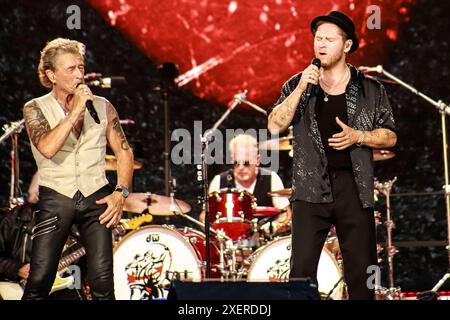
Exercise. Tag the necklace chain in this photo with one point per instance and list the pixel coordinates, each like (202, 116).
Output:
(340, 81)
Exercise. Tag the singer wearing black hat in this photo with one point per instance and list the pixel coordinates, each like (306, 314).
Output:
(339, 115)
(69, 129)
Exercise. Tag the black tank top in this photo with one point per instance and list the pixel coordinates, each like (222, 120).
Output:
(326, 113)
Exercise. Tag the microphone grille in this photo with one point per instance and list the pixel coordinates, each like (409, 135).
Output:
(316, 62)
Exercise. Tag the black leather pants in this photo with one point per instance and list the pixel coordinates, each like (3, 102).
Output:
(53, 225)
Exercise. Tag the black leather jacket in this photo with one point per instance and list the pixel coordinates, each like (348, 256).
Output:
(15, 240)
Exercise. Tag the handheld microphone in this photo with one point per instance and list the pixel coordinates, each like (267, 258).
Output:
(310, 86)
(91, 109)
(92, 112)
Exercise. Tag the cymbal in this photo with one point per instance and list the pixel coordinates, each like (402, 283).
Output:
(157, 205)
(280, 193)
(111, 163)
(282, 144)
(379, 155)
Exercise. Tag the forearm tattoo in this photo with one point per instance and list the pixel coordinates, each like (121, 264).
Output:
(35, 122)
(280, 117)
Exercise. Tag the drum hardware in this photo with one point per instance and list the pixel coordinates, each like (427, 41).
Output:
(385, 189)
(377, 218)
(281, 193)
(13, 130)
(444, 110)
(233, 213)
(126, 121)
(379, 155)
(227, 249)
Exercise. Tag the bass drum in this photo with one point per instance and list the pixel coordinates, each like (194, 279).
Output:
(271, 263)
(146, 261)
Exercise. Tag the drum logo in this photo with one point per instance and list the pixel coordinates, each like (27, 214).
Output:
(146, 273)
(153, 238)
(279, 271)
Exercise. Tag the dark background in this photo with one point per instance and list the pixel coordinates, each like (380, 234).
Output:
(420, 58)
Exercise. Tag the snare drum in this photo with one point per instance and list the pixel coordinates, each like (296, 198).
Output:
(147, 260)
(232, 211)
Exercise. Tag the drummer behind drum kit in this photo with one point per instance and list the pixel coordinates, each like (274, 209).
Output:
(147, 260)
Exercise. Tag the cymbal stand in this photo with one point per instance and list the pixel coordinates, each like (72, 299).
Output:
(444, 110)
(12, 130)
(385, 188)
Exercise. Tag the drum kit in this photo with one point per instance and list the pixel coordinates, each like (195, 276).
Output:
(241, 247)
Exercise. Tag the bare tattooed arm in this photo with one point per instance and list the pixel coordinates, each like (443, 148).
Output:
(119, 145)
(281, 117)
(47, 141)
(380, 138)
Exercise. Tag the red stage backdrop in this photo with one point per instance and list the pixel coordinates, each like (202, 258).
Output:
(225, 46)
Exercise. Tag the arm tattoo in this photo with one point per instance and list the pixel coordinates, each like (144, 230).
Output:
(280, 117)
(118, 129)
(36, 123)
(388, 134)
(112, 114)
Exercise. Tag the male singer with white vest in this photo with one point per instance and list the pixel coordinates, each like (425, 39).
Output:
(335, 130)
(69, 147)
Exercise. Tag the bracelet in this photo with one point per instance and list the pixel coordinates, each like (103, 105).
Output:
(360, 139)
(70, 120)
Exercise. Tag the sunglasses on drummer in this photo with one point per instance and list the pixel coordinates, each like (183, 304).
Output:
(244, 163)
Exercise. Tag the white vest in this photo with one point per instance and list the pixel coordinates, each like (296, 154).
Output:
(80, 163)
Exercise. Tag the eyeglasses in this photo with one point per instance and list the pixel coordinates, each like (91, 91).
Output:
(244, 163)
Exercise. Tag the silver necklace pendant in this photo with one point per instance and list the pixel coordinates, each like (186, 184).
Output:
(326, 98)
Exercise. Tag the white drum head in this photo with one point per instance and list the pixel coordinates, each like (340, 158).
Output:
(272, 263)
(147, 260)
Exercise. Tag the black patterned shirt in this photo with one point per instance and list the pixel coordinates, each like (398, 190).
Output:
(368, 108)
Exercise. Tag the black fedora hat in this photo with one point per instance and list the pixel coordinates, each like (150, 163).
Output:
(343, 22)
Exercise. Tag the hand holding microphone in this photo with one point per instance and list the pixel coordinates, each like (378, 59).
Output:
(310, 77)
(84, 100)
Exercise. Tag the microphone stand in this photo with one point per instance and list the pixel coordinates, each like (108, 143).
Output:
(12, 130)
(444, 110)
(168, 72)
(205, 140)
